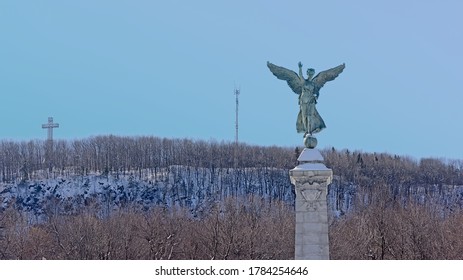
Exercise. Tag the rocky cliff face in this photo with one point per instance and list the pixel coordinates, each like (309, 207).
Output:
(176, 186)
(196, 189)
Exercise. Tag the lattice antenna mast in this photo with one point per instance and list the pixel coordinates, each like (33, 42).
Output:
(237, 93)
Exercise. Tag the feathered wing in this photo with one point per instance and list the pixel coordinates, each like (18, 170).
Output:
(291, 77)
(327, 75)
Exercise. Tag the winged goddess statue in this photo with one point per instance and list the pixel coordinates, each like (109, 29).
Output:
(309, 120)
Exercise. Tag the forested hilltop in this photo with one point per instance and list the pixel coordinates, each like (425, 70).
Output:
(67, 196)
(223, 168)
(103, 154)
(121, 155)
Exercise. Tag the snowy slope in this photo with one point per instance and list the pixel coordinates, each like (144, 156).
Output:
(195, 188)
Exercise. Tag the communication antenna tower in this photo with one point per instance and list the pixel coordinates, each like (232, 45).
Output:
(237, 93)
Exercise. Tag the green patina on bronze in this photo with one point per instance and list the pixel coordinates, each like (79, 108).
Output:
(308, 119)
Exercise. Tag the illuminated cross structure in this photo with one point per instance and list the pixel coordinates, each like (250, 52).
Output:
(49, 145)
(50, 125)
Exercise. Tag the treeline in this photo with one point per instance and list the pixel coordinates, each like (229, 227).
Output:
(232, 229)
(357, 176)
(104, 154)
(367, 169)
(389, 229)
(224, 166)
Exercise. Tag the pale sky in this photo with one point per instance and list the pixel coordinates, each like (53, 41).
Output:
(169, 69)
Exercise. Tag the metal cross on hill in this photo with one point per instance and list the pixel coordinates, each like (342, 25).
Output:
(50, 125)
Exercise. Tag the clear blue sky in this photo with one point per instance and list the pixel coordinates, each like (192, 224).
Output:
(169, 68)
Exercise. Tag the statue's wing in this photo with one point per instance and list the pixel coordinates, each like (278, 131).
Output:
(327, 75)
(293, 80)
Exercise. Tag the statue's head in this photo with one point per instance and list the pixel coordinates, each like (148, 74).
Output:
(310, 72)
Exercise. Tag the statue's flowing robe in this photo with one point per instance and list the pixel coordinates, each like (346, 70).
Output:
(316, 122)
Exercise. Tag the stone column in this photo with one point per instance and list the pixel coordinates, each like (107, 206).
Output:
(311, 179)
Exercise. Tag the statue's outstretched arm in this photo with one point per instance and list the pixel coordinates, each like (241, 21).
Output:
(300, 71)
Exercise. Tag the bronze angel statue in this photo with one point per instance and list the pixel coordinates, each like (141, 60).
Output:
(308, 119)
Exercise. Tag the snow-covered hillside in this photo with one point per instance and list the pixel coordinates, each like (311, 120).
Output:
(194, 188)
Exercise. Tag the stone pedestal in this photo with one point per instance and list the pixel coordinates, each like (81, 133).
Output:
(311, 179)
